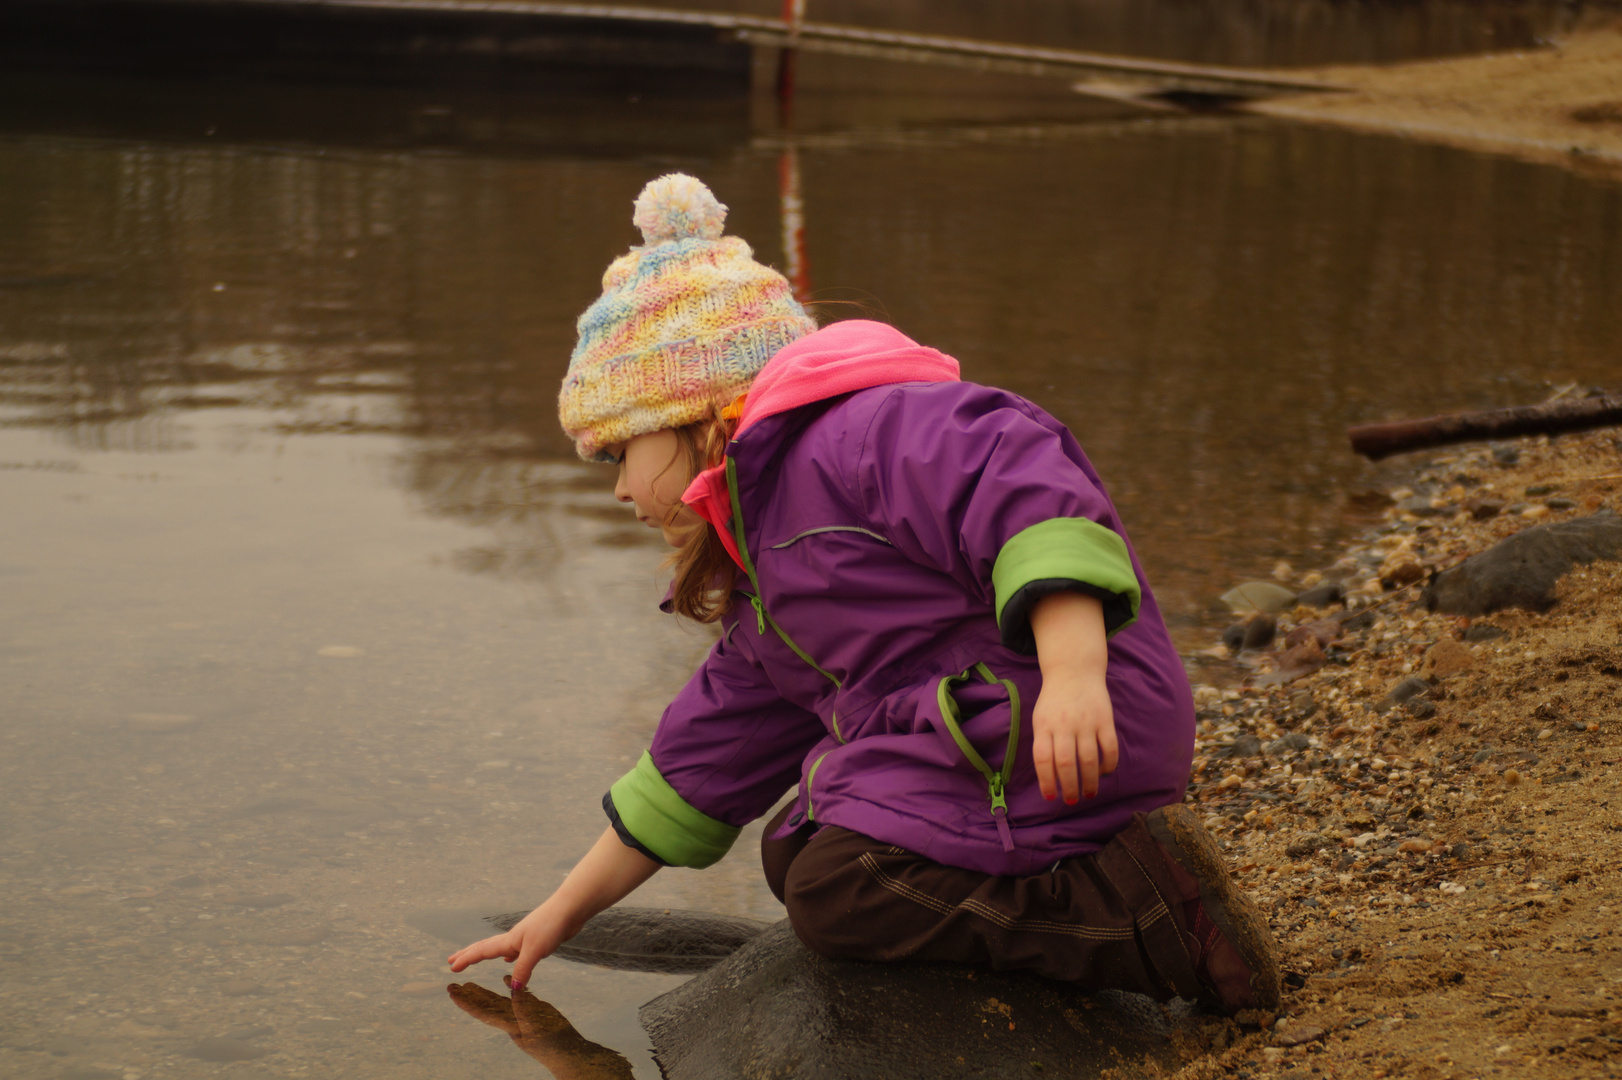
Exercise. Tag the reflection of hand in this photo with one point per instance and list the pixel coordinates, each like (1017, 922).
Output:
(541, 1032)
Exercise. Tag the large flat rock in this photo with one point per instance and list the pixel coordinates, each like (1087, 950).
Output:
(774, 1009)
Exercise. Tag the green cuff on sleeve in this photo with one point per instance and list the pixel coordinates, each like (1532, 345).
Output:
(665, 823)
(1073, 549)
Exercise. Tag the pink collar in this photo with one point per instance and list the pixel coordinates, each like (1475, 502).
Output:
(857, 354)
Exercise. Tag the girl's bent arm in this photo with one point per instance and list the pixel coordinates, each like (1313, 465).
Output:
(1073, 724)
(609, 873)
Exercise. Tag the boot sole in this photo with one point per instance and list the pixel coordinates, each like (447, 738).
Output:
(1239, 919)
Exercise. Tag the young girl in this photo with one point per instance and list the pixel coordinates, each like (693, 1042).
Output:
(932, 622)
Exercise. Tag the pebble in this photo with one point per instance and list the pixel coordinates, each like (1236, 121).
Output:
(1512, 776)
(1546, 733)
(1323, 595)
(1298, 1035)
(421, 989)
(1484, 632)
(159, 723)
(305, 936)
(1414, 847)
(1262, 596)
(226, 1049)
(1506, 454)
(242, 988)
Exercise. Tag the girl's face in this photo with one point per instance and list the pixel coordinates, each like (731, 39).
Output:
(653, 474)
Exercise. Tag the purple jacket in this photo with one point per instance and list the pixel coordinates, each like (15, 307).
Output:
(879, 651)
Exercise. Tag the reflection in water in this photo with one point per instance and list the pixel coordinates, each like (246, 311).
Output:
(309, 619)
(542, 1032)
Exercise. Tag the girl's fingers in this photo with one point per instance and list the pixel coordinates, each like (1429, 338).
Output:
(1042, 757)
(1089, 767)
(525, 965)
(1065, 764)
(1109, 751)
(479, 951)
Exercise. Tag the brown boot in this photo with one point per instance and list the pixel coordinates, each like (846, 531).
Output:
(1235, 957)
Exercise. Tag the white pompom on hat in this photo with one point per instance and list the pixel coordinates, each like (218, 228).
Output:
(685, 322)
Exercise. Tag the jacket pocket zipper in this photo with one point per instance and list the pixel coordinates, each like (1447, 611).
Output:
(996, 779)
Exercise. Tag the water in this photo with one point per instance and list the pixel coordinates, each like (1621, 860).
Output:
(316, 643)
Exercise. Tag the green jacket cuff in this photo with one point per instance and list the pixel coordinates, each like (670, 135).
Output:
(1062, 550)
(665, 823)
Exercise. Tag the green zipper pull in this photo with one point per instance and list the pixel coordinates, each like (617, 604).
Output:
(760, 614)
(999, 814)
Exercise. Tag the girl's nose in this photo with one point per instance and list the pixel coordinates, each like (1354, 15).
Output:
(622, 490)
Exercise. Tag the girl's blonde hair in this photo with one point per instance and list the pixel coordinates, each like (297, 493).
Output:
(705, 572)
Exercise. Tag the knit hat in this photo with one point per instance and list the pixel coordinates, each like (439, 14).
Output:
(685, 321)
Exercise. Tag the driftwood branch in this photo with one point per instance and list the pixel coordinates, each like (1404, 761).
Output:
(1375, 441)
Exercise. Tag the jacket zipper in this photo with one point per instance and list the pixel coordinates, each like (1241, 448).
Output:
(762, 616)
(996, 779)
(810, 778)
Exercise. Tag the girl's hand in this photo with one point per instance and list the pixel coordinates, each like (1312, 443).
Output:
(535, 938)
(607, 875)
(1073, 728)
(1073, 724)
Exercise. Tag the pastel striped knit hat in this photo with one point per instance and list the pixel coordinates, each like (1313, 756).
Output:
(684, 323)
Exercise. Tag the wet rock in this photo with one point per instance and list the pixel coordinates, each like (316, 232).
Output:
(1522, 570)
(776, 1009)
(1481, 508)
(1307, 844)
(224, 1049)
(1245, 746)
(1419, 708)
(1325, 594)
(1484, 632)
(1258, 596)
(1402, 692)
(1256, 632)
(1422, 506)
(1259, 631)
(1560, 504)
(1362, 620)
(1288, 744)
(1460, 851)
(1506, 454)
(652, 939)
(1534, 490)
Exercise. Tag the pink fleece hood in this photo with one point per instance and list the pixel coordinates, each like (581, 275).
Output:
(848, 356)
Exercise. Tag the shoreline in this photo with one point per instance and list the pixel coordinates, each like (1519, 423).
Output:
(1559, 104)
(1438, 872)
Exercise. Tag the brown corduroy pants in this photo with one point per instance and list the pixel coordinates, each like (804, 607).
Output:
(1110, 920)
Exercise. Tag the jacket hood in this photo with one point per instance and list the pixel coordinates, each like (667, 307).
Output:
(856, 354)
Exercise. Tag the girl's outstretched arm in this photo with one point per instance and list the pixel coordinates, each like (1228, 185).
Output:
(609, 873)
(1073, 724)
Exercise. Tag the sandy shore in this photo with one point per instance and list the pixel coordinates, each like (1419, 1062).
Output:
(1444, 875)
(1561, 103)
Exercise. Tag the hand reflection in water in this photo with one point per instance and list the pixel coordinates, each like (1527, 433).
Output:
(541, 1032)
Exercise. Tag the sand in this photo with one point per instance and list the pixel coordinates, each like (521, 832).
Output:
(1560, 103)
(1445, 876)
